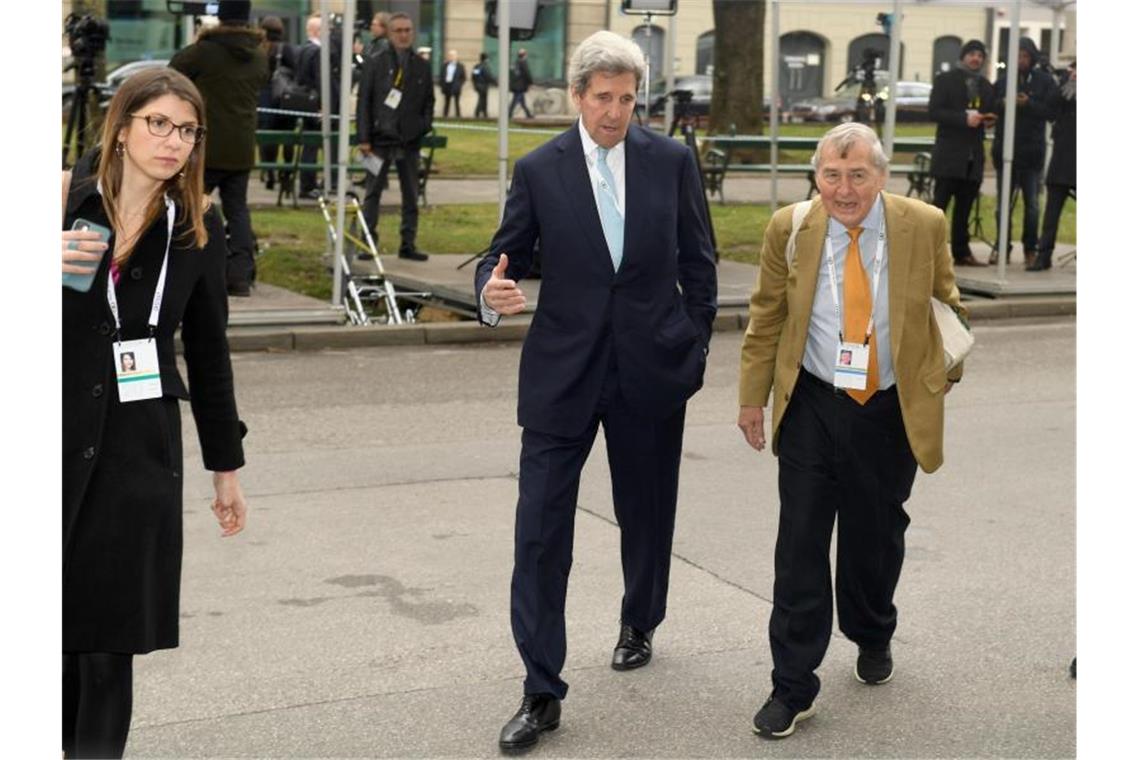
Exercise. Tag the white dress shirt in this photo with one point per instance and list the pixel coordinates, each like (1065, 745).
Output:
(450, 72)
(615, 160)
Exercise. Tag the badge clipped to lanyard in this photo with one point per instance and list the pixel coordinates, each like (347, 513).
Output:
(853, 360)
(394, 94)
(136, 361)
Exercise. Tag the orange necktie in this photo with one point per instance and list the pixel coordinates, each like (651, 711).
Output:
(857, 311)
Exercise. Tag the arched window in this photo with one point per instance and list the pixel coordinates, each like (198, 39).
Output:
(946, 51)
(653, 45)
(705, 53)
(801, 66)
(876, 45)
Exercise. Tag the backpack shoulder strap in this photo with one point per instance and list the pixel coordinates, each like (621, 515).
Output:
(798, 213)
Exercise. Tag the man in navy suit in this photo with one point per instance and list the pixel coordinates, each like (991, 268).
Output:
(619, 338)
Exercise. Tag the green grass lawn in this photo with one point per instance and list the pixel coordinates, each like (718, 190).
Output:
(294, 240)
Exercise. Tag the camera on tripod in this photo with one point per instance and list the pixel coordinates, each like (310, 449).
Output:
(87, 37)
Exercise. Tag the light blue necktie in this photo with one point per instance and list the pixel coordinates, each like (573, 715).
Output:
(613, 225)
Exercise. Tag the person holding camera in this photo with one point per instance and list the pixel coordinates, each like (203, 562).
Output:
(229, 65)
(393, 113)
(961, 104)
(164, 268)
(1035, 88)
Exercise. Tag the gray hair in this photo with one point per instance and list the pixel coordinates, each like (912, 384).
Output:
(608, 52)
(844, 137)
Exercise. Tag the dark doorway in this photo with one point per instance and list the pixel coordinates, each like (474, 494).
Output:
(801, 66)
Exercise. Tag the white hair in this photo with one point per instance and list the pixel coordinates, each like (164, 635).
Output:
(844, 137)
(608, 52)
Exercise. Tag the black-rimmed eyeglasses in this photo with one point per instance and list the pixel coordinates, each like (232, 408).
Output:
(160, 126)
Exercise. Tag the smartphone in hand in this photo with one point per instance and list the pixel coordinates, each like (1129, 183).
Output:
(82, 282)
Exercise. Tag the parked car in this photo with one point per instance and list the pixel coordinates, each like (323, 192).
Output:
(913, 103)
(114, 80)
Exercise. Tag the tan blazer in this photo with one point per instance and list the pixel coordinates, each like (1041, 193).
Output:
(781, 306)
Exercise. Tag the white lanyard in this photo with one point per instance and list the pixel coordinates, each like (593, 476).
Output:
(876, 267)
(156, 305)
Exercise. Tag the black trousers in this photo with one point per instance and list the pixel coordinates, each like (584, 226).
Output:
(268, 153)
(449, 97)
(481, 104)
(1055, 197)
(519, 99)
(1028, 181)
(836, 458)
(964, 192)
(407, 162)
(644, 459)
(309, 156)
(233, 187)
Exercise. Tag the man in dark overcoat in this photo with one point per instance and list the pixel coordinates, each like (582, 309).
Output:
(393, 113)
(961, 104)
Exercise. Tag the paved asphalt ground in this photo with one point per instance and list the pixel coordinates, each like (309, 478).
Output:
(364, 612)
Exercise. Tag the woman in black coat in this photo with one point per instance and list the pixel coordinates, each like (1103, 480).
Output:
(122, 458)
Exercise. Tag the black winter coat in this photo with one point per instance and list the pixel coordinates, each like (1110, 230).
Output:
(1029, 129)
(230, 68)
(959, 150)
(1063, 165)
(379, 125)
(520, 78)
(122, 462)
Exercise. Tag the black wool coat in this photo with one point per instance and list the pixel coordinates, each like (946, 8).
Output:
(122, 462)
(959, 150)
(1063, 165)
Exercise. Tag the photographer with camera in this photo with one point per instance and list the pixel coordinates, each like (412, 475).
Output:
(393, 113)
(1035, 88)
(962, 105)
(868, 106)
(229, 65)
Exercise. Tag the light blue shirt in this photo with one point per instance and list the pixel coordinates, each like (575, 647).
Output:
(823, 330)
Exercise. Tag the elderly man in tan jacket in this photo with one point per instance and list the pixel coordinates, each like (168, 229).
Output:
(843, 336)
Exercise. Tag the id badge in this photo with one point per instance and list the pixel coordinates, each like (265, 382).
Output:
(136, 370)
(393, 99)
(851, 362)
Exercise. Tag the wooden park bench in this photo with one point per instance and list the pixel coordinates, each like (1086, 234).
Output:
(718, 161)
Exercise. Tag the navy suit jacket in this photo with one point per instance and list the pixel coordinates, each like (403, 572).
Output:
(653, 316)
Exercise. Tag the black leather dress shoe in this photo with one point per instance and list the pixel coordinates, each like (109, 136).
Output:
(412, 255)
(633, 649)
(537, 713)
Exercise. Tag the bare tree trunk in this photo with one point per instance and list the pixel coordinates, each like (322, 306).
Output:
(738, 76)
